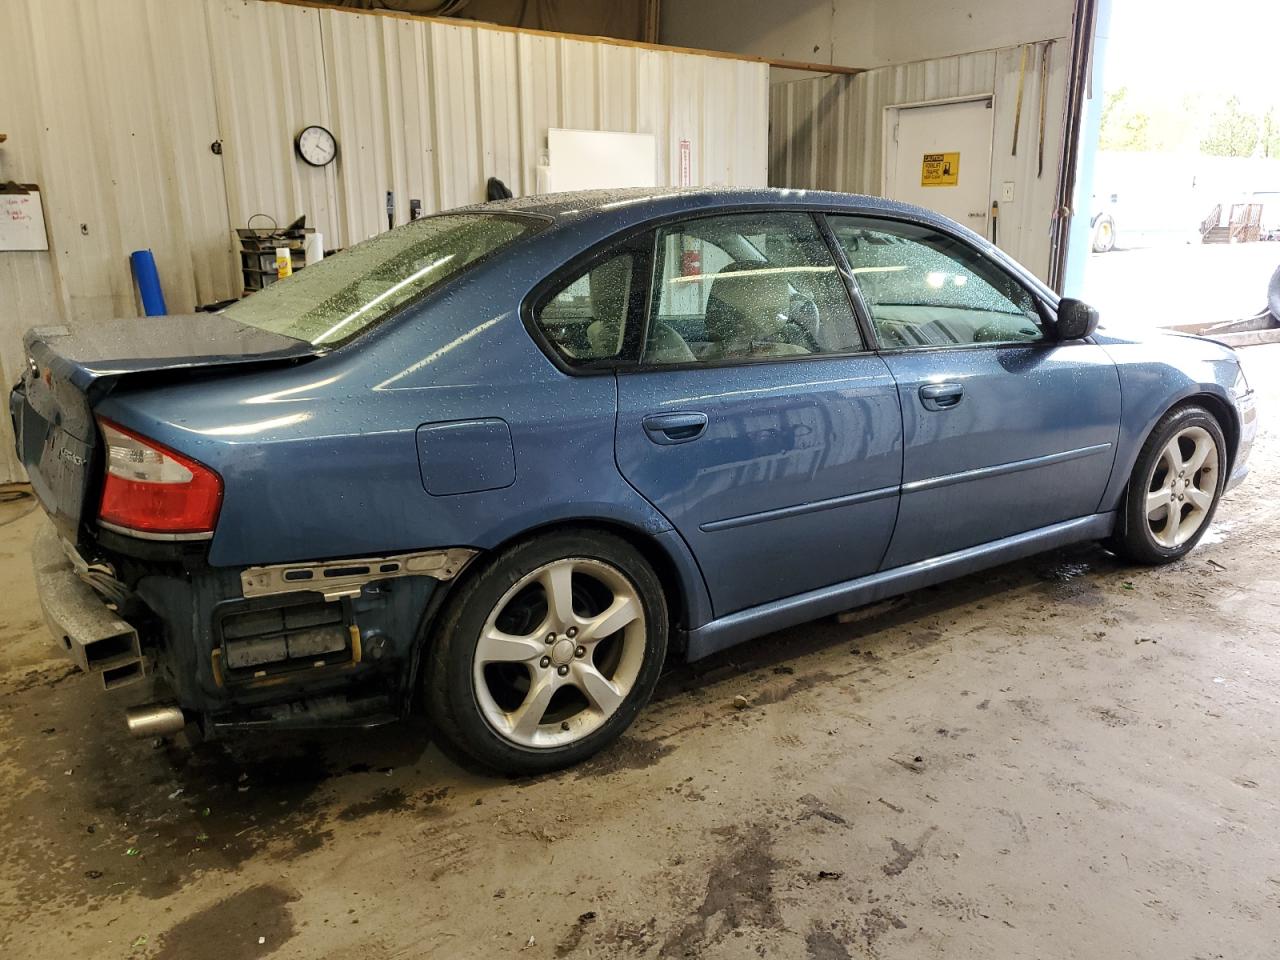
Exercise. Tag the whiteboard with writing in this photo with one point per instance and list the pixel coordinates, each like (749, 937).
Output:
(22, 221)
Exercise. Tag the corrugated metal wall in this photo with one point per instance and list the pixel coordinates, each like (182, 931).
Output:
(828, 132)
(112, 108)
(430, 110)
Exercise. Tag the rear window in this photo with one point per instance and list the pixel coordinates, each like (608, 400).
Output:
(337, 298)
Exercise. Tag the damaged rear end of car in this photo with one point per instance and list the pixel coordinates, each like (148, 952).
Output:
(129, 519)
(123, 567)
(226, 493)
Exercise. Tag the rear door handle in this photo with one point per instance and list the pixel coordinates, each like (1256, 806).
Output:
(667, 428)
(941, 396)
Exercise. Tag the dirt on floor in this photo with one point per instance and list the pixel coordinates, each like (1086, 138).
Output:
(1062, 757)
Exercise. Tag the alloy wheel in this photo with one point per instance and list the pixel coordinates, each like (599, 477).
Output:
(559, 653)
(1182, 486)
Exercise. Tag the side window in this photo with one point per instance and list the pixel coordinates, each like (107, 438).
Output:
(743, 287)
(586, 319)
(925, 288)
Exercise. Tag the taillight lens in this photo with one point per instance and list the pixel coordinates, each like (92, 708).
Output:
(150, 489)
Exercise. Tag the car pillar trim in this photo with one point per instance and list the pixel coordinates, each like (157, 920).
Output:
(346, 578)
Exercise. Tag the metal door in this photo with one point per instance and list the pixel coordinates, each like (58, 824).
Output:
(781, 477)
(1000, 440)
(939, 157)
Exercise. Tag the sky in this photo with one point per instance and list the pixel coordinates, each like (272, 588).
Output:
(1176, 47)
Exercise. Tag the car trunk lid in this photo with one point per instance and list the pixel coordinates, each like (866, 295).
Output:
(69, 371)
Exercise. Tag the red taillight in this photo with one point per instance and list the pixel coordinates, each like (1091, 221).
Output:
(150, 489)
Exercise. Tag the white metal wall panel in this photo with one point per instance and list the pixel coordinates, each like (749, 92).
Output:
(125, 122)
(269, 70)
(578, 77)
(29, 292)
(652, 112)
(457, 127)
(616, 76)
(356, 70)
(1025, 223)
(431, 110)
(112, 116)
(112, 109)
(501, 129)
(828, 133)
(685, 120)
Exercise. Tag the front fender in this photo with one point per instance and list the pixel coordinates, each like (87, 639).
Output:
(1156, 376)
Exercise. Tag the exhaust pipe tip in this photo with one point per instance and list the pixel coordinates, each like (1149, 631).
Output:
(154, 720)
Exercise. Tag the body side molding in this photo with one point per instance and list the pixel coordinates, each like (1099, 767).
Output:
(800, 508)
(999, 469)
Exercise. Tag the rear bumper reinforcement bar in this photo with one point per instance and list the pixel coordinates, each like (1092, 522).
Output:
(346, 578)
(93, 636)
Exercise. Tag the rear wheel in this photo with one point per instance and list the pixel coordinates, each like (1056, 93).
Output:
(1175, 487)
(549, 652)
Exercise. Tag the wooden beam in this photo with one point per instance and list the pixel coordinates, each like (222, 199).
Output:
(801, 65)
(611, 41)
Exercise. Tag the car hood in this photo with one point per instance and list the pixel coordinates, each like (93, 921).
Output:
(1172, 340)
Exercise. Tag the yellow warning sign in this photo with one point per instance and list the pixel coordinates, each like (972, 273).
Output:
(940, 170)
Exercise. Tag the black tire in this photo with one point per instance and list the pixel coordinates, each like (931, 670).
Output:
(1134, 539)
(1104, 235)
(449, 678)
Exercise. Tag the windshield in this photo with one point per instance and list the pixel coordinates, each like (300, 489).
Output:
(335, 299)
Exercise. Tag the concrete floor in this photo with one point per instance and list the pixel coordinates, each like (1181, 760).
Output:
(1064, 757)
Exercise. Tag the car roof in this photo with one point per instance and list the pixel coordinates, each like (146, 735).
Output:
(616, 209)
(646, 201)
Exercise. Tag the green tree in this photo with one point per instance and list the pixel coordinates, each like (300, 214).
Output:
(1232, 132)
(1124, 126)
(1271, 134)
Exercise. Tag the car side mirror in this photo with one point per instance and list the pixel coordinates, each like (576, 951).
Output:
(1076, 319)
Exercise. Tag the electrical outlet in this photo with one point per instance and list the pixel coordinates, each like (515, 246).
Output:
(1006, 194)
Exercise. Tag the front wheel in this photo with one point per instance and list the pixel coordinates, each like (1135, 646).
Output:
(548, 653)
(1174, 490)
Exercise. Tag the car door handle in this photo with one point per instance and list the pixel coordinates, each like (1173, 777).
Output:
(941, 396)
(669, 428)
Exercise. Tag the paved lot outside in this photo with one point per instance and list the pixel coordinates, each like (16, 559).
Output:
(1178, 284)
(1064, 757)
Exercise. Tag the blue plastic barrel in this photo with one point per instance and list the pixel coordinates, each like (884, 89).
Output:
(147, 277)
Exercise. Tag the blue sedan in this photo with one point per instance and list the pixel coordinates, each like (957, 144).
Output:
(502, 462)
